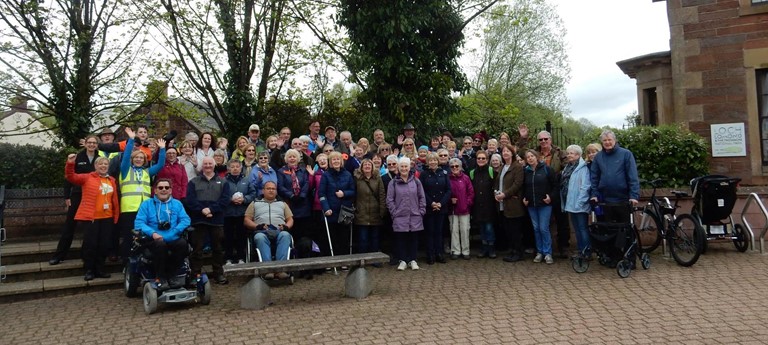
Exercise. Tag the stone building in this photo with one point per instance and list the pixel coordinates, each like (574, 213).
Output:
(713, 78)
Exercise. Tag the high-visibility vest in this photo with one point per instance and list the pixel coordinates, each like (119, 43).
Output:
(134, 189)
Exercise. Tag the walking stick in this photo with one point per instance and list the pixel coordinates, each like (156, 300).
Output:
(350, 238)
(330, 245)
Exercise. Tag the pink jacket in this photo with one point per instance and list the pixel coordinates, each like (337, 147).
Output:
(462, 190)
(314, 183)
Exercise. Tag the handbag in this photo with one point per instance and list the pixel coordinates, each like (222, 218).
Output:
(346, 215)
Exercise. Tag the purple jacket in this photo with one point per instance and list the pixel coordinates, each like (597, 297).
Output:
(406, 204)
(462, 190)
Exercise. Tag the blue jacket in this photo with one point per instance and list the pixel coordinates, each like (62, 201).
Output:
(579, 185)
(437, 188)
(332, 181)
(300, 204)
(152, 212)
(240, 184)
(614, 176)
(259, 177)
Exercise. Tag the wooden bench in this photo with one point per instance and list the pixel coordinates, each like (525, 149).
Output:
(255, 294)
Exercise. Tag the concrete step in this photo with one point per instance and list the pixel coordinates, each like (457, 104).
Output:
(35, 250)
(42, 270)
(31, 289)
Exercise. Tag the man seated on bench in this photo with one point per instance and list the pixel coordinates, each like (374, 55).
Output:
(271, 219)
(163, 218)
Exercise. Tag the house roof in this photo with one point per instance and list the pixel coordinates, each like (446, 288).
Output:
(630, 67)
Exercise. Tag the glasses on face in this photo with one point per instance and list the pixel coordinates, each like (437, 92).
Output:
(408, 145)
(391, 164)
(468, 143)
(482, 158)
(443, 155)
(454, 166)
(385, 149)
(327, 151)
(91, 142)
(543, 139)
(264, 157)
(163, 187)
(476, 140)
(250, 150)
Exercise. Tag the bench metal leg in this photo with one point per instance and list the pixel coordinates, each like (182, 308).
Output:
(358, 283)
(255, 294)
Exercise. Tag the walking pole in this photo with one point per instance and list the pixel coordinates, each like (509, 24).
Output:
(350, 238)
(330, 245)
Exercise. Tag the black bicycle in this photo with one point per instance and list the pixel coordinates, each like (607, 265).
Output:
(658, 220)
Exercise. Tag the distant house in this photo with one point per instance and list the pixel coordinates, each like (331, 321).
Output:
(20, 126)
(714, 75)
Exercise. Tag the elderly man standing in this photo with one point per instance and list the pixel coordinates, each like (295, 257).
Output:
(253, 137)
(270, 219)
(207, 197)
(614, 177)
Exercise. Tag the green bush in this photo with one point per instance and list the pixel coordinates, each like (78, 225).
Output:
(29, 166)
(670, 152)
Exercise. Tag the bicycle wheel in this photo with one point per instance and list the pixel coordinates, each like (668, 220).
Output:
(685, 240)
(648, 228)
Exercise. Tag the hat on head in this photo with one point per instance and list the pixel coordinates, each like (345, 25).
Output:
(253, 128)
(408, 126)
(478, 136)
(330, 127)
(423, 147)
(106, 130)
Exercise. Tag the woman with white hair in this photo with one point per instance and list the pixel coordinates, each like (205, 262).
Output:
(407, 206)
(574, 195)
(462, 198)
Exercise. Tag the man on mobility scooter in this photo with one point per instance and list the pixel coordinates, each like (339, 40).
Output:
(270, 219)
(158, 255)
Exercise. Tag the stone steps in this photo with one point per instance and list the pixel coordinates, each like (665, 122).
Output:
(27, 274)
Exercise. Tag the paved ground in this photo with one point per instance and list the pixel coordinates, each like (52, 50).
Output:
(719, 300)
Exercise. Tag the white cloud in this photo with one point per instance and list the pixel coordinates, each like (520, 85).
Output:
(600, 33)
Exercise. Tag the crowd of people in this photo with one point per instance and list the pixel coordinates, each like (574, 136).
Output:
(304, 186)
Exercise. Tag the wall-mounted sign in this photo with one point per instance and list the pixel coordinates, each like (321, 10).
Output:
(728, 140)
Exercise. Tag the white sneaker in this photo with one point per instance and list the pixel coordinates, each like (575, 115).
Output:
(402, 266)
(228, 263)
(548, 259)
(414, 265)
(538, 258)
(240, 262)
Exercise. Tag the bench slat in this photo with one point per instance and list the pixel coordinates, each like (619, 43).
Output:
(304, 264)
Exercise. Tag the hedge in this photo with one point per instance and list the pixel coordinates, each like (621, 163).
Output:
(29, 166)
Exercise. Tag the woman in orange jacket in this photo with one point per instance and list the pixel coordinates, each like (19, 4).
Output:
(97, 214)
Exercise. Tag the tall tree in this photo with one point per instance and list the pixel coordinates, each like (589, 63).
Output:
(405, 53)
(220, 46)
(74, 58)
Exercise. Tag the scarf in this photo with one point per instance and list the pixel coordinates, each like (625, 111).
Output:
(565, 178)
(295, 181)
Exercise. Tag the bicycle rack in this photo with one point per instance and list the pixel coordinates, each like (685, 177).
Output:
(754, 198)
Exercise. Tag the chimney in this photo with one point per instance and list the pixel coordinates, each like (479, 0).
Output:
(18, 103)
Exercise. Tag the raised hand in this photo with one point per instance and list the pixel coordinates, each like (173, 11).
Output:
(71, 158)
(160, 143)
(130, 132)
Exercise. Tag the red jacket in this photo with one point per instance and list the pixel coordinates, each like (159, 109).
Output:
(178, 176)
(91, 184)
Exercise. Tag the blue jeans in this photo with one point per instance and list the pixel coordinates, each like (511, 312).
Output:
(264, 244)
(368, 237)
(579, 222)
(540, 217)
(487, 233)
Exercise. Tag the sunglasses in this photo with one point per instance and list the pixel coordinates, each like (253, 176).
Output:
(391, 163)
(91, 142)
(454, 166)
(468, 143)
(251, 150)
(408, 145)
(443, 155)
(163, 187)
(263, 157)
(543, 139)
(385, 149)
(482, 158)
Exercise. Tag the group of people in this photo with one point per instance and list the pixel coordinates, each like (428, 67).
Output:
(288, 187)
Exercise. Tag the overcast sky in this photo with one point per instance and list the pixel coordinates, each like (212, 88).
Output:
(600, 33)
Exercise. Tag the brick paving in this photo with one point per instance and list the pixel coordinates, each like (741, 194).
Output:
(718, 301)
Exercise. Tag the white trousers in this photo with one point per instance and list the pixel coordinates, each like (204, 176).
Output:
(459, 234)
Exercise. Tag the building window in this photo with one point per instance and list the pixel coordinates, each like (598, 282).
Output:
(750, 7)
(650, 107)
(761, 76)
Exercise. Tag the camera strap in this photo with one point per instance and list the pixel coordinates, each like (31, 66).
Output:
(157, 214)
